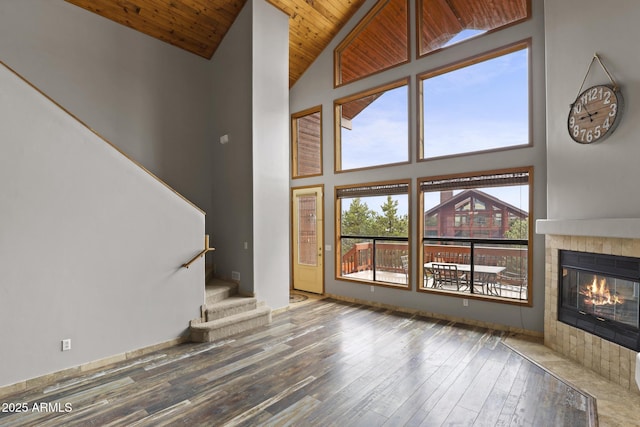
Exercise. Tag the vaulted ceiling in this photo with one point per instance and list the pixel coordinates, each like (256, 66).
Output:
(199, 26)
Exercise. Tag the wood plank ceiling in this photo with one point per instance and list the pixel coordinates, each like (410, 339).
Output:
(199, 26)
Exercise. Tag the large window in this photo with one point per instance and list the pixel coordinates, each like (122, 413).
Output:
(306, 137)
(372, 223)
(479, 104)
(467, 248)
(403, 122)
(372, 127)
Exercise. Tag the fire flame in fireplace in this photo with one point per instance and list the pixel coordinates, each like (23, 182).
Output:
(598, 293)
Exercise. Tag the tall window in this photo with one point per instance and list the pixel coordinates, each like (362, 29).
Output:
(442, 24)
(372, 223)
(306, 136)
(476, 105)
(467, 248)
(372, 127)
(379, 42)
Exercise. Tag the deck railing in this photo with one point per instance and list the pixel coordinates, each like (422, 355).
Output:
(365, 253)
(385, 254)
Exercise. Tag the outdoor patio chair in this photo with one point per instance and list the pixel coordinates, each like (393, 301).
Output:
(484, 283)
(448, 275)
(514, 282)
(405, 266)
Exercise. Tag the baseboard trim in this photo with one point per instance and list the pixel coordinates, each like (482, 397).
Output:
(48, 379)
(471, 322)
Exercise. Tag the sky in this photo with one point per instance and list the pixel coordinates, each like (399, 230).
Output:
(479, 107)
(380, 133)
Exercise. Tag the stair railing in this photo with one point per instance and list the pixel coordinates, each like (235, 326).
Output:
(206, 249)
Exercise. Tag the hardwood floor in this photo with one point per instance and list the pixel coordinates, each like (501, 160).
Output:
(322, 363)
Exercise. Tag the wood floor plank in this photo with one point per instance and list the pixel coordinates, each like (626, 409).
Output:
(448, 350)
(455, 386)
(321, 363)
(477, 393)
(492, 408)
(518, 388)
(294, 414)
(526, 407)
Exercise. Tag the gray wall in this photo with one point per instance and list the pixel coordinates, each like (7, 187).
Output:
(316, 87)
(231, 220)
(91, 245)
(152, 100)
(597, 180)
(108, 273)
(105, 268)
(250, 173)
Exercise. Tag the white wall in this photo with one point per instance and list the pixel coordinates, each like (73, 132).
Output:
(149, 98)
(271, 154)
(597, 180)
(316, 88)
(91, 246)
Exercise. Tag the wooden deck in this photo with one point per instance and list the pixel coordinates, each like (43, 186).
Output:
(321, 363)
(390, 277)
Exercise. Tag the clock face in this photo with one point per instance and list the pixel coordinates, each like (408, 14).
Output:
(595, 114)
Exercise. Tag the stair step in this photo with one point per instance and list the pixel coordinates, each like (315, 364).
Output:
(218, 290)
(229, 307)
(230, 325)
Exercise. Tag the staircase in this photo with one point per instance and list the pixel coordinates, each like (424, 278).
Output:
(225, 313)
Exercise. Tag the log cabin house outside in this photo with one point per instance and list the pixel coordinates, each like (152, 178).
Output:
(471, 213)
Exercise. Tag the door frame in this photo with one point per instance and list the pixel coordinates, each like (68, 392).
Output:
(293, 236)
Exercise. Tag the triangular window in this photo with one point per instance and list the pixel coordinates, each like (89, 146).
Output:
(443, 23)
(379, 42)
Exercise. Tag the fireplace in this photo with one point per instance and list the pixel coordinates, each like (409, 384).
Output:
(600, 294)
(615, 362)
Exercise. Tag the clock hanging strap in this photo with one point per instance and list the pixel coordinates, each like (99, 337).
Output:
(596, 57)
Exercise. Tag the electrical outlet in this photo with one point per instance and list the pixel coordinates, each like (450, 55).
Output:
(373, 288)
(235, 275)
(66, 344)
(465, 302)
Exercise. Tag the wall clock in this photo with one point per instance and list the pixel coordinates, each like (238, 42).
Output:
(595, 114)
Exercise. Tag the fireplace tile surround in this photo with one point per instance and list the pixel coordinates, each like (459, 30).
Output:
(612, 361)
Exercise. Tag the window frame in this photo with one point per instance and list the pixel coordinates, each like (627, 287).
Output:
(339, 236)
(525, 44)
(423, 239)
(337, 104)
(294, 142)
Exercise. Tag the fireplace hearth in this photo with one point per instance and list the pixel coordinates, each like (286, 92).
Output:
(615, 362)
(600, 294)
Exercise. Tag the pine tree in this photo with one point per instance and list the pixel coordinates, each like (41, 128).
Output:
(518, 229)
(358, 220)
(389, 223)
